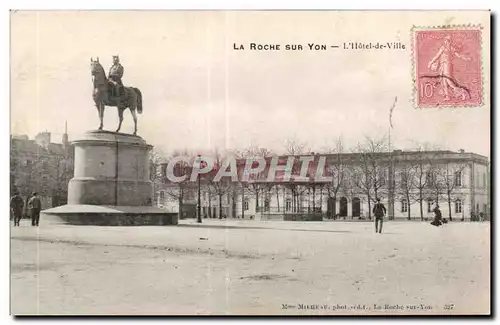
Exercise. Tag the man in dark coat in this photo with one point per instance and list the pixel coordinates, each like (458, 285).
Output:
(379, 211)
(437, 217)
(36, 206)
(16, 206)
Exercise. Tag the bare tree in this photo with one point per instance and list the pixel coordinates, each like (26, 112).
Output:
(178, 190)
(370, 173)
(222, 186)
(435, 182)
(451, 175)
(155, 173)
(294, 146)
(251, 187)
(422, 163)
(406, 184)
(337, 169)
(62, 173)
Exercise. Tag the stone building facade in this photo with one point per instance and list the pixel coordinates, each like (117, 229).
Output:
(41, 166)
(409, 183)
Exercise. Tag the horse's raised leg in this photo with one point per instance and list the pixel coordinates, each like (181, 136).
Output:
(134, 115)
(120, 116)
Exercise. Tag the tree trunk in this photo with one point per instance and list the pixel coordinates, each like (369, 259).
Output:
(278, 197)
(220, 206)
(314, 199)
(233, 204)
(180, 207)
(209, 206)
(256, 200)
(369, 208)
(421, 202)
(449, 206)
(242, 202)
(333, 209)
(409, 205)
(309, 200)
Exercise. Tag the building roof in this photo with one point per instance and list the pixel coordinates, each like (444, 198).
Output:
(30, 146)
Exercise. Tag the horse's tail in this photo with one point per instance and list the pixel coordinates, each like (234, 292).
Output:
(139, 100)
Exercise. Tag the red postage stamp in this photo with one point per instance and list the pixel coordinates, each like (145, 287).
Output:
(447, 67)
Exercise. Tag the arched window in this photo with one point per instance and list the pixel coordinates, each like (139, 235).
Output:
(404, 205)
(162, 197)
(458, 206)
(429, 205)
(458, 178)
(288, 205)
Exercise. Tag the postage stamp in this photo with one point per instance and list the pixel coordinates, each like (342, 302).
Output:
(447, 66)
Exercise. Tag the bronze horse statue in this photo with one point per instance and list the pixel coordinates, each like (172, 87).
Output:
(104, 96)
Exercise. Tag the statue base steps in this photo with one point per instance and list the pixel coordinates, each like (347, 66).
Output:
(100, 215)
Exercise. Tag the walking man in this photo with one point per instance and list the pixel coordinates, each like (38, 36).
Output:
(16, 206)
(36, 206)
(379, 211)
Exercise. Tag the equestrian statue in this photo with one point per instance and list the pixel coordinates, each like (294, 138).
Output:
(111, 92)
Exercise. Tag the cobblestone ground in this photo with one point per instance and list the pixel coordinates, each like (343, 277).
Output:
(251, 267)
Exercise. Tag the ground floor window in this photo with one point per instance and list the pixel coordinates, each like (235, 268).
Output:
(245, 205)
(288, 205)
(404, 205)
(429, 205)
(458, 206)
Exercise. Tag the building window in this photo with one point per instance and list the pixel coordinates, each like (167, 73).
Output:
(288, 205)
(404, 205)
(458, 206)
(429, 178)
(429, 205)
(484, 180)
(245, 205)
(404, 183)
(458, 178)
(162, 197)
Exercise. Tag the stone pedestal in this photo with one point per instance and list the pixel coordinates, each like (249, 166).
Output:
(111, 169)
(111, 172)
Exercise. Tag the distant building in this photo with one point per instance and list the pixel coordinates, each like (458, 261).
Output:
(41, 166)
(409, 183)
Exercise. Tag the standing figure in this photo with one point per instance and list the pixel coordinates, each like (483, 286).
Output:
(115, 75)
(16, 206)
(437, 217)
(379, 211)
(36, 206)
(442, 62)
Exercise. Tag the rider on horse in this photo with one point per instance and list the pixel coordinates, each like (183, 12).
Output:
(115, 76)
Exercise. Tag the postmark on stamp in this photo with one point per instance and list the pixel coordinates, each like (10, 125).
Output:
(447, 66)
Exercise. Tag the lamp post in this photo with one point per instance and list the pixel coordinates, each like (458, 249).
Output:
(199, 191)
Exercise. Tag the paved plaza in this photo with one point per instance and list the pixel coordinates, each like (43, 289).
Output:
(251, 267)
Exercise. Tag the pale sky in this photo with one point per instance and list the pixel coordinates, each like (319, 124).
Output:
(198, 92)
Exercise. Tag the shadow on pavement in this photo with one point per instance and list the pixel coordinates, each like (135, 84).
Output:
(254, 227)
